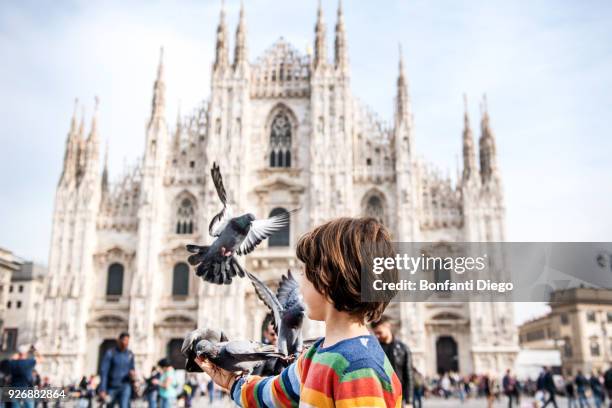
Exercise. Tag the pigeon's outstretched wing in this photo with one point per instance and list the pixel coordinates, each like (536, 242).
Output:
(290, 333)
(270, 300)
(188, 349)
(263, 229)
(288, 293)
(215, 172)
(198, 251)
(219, 221)
(250, 350)
(237, 356)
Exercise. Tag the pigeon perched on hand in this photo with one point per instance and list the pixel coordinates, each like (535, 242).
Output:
(288, 309)
(239, 235)
(188, 349)
(239, 356)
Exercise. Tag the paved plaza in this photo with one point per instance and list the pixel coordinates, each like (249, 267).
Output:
(526, 402)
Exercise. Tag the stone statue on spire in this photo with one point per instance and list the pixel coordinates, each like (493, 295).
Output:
(221, 51)
(320, 52)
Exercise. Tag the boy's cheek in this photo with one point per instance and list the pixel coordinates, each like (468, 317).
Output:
(310, 295)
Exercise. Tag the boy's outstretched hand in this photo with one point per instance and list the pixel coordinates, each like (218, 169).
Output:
(223, 378)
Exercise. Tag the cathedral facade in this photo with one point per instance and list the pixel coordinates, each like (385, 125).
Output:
(288, 133)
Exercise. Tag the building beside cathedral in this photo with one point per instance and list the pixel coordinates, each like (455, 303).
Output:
(579, 326)
(288, 132)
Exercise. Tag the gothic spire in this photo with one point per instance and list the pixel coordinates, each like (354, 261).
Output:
(488, 159)
(93, 134)
(72, 147)
(105, 171)
(73, 121)
(341, 55)
(158, 105)
(221, 55)
(81, 131)
(240, 50)
(91, 153)
(81, 148)
(320, 55)
(402, 99)
(469, 157)
(178, 132)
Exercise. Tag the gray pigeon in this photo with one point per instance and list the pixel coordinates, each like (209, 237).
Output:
(192, 339)
(236, 356)
(288, 309)
(239, 235)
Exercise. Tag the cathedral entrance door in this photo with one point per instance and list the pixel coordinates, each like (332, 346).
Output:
(447, 358)
(177, 359)
(104, 347)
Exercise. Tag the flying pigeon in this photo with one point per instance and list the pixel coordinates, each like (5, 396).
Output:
(192, 339)
(288, 309)
(236, 356)
(238, 235)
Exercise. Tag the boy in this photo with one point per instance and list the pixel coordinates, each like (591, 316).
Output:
(346, 368)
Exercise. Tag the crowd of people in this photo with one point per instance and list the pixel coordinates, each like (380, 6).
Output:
(118, 384)
(19, 371)
(161, 388)
(579, 391)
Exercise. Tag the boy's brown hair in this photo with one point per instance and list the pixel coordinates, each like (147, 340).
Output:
(336, 253)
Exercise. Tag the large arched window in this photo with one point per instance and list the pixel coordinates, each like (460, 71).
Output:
(594, 346)
(441, 274)
(280, 140)
(185, 217)
(567, 347)
(434, 263)
(281, 237)
(375, 209)
(114, 280)
(180, 279)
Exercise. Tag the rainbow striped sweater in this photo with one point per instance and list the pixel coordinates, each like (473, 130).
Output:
(351, 373)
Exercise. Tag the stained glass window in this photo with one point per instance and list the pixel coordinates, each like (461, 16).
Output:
(185, 219)
(280, 141)
(114, 282)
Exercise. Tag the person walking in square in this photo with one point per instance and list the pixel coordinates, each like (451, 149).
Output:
(597, 390)
(570, 393)
(550, 388)
(151, 391)
(21, 369)
(398, 354)
(581, 385)
(116, 373)
(608, 384)
(168, 385)
(510, 386)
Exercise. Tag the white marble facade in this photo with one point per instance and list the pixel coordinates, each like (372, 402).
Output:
(288, 132)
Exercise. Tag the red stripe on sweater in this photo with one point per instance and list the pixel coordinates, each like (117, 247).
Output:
(321, 378)
(360, 387)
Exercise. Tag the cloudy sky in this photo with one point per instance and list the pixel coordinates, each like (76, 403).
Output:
(546, 68)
